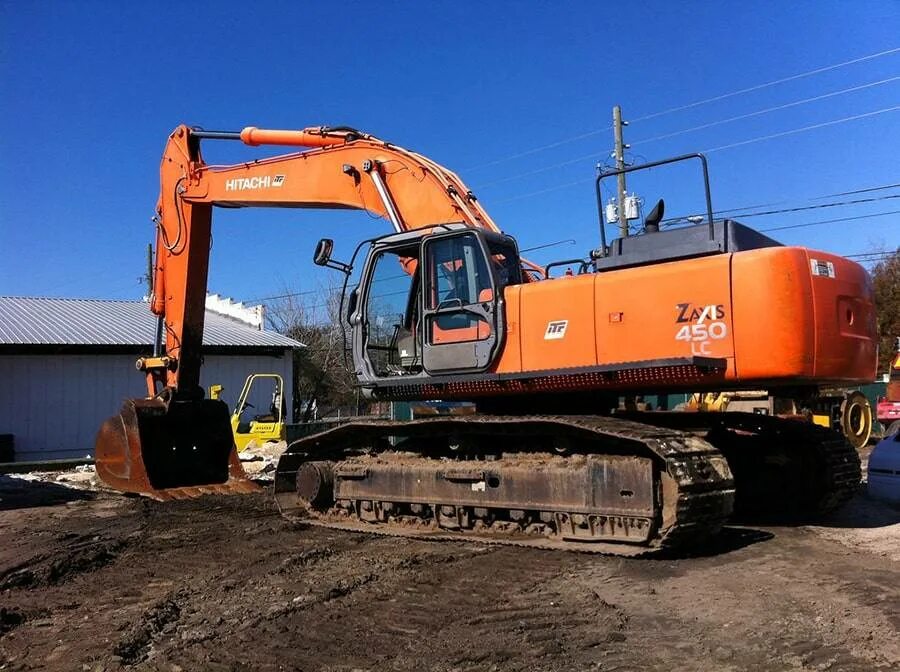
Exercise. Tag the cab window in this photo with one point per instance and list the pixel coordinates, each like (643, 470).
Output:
(457, 273)
(390, 310)
(457, 276)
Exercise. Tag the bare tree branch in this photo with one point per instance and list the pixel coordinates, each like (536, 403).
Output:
(323, 380)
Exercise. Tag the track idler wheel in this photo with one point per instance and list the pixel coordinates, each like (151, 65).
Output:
(315, 484)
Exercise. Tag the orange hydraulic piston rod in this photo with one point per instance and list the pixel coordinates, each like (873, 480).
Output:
(308, 137)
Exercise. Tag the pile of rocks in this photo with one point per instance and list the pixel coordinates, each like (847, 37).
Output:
(82, 477)
(260, 460)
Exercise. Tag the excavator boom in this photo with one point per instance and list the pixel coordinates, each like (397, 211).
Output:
(175, 439)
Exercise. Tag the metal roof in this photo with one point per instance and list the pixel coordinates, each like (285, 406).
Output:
(43, 321)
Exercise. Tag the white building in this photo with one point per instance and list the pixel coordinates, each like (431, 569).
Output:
(67, 364)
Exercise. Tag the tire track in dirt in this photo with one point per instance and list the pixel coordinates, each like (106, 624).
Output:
(86, 554)
(463, 608)
(226, 583)
(748, 610)
(308, 599)
(134, 646)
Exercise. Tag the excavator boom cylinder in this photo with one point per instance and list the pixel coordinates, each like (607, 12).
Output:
(308, 137)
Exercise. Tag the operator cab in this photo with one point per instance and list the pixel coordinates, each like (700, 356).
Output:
(430, 302)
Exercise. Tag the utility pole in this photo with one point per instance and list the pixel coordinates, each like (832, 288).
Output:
(149, 277)
(620, 164)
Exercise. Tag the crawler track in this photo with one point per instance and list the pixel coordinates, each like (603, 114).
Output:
(783, 467)
(620, 487)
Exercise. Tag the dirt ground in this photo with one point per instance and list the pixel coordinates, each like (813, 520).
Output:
(96, 581)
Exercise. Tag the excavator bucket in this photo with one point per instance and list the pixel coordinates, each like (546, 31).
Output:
(175, 450)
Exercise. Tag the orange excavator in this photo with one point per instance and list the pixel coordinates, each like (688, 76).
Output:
(445, 309)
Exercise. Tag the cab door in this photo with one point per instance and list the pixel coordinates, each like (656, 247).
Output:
(462, 316)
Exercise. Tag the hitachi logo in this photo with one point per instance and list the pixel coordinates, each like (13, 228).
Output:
(244, 183)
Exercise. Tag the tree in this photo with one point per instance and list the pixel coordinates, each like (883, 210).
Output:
(322, 380)
(886, 283)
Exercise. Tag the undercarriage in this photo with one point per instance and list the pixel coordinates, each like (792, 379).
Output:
(625, 486)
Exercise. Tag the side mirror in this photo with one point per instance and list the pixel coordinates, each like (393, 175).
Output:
(322, 255)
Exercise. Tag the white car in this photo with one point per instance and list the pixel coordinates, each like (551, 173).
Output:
(884, 469)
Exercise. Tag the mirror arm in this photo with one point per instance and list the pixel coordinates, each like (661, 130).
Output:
(346, 269)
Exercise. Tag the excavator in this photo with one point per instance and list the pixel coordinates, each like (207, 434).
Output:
(444, 308)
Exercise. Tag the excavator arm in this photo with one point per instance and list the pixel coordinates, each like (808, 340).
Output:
(332, 168)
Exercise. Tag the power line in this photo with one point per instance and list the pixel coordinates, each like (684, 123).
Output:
(568, 241)
(542, 148)
(281, 296)
(868, 256)
(836, 204)
(809, 198)
(688, 106)
(745, 215)
(758, 87)
(571, 241)
(547, 190)
(830, 221)
(288, 295)
(860, 191)
(314, 291)
(811, 127)
(543, 169)
(767, 110)
(722, 147)
(872, 258)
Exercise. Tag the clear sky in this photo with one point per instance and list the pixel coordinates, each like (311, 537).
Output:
(90, 91)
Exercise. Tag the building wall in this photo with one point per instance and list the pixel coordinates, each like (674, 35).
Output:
(54, 404)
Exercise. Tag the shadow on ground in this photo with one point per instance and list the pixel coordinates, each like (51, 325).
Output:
(863, 511)
(18, 493)
(729, 539)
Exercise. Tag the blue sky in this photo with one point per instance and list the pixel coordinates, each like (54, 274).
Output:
(91, 89)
